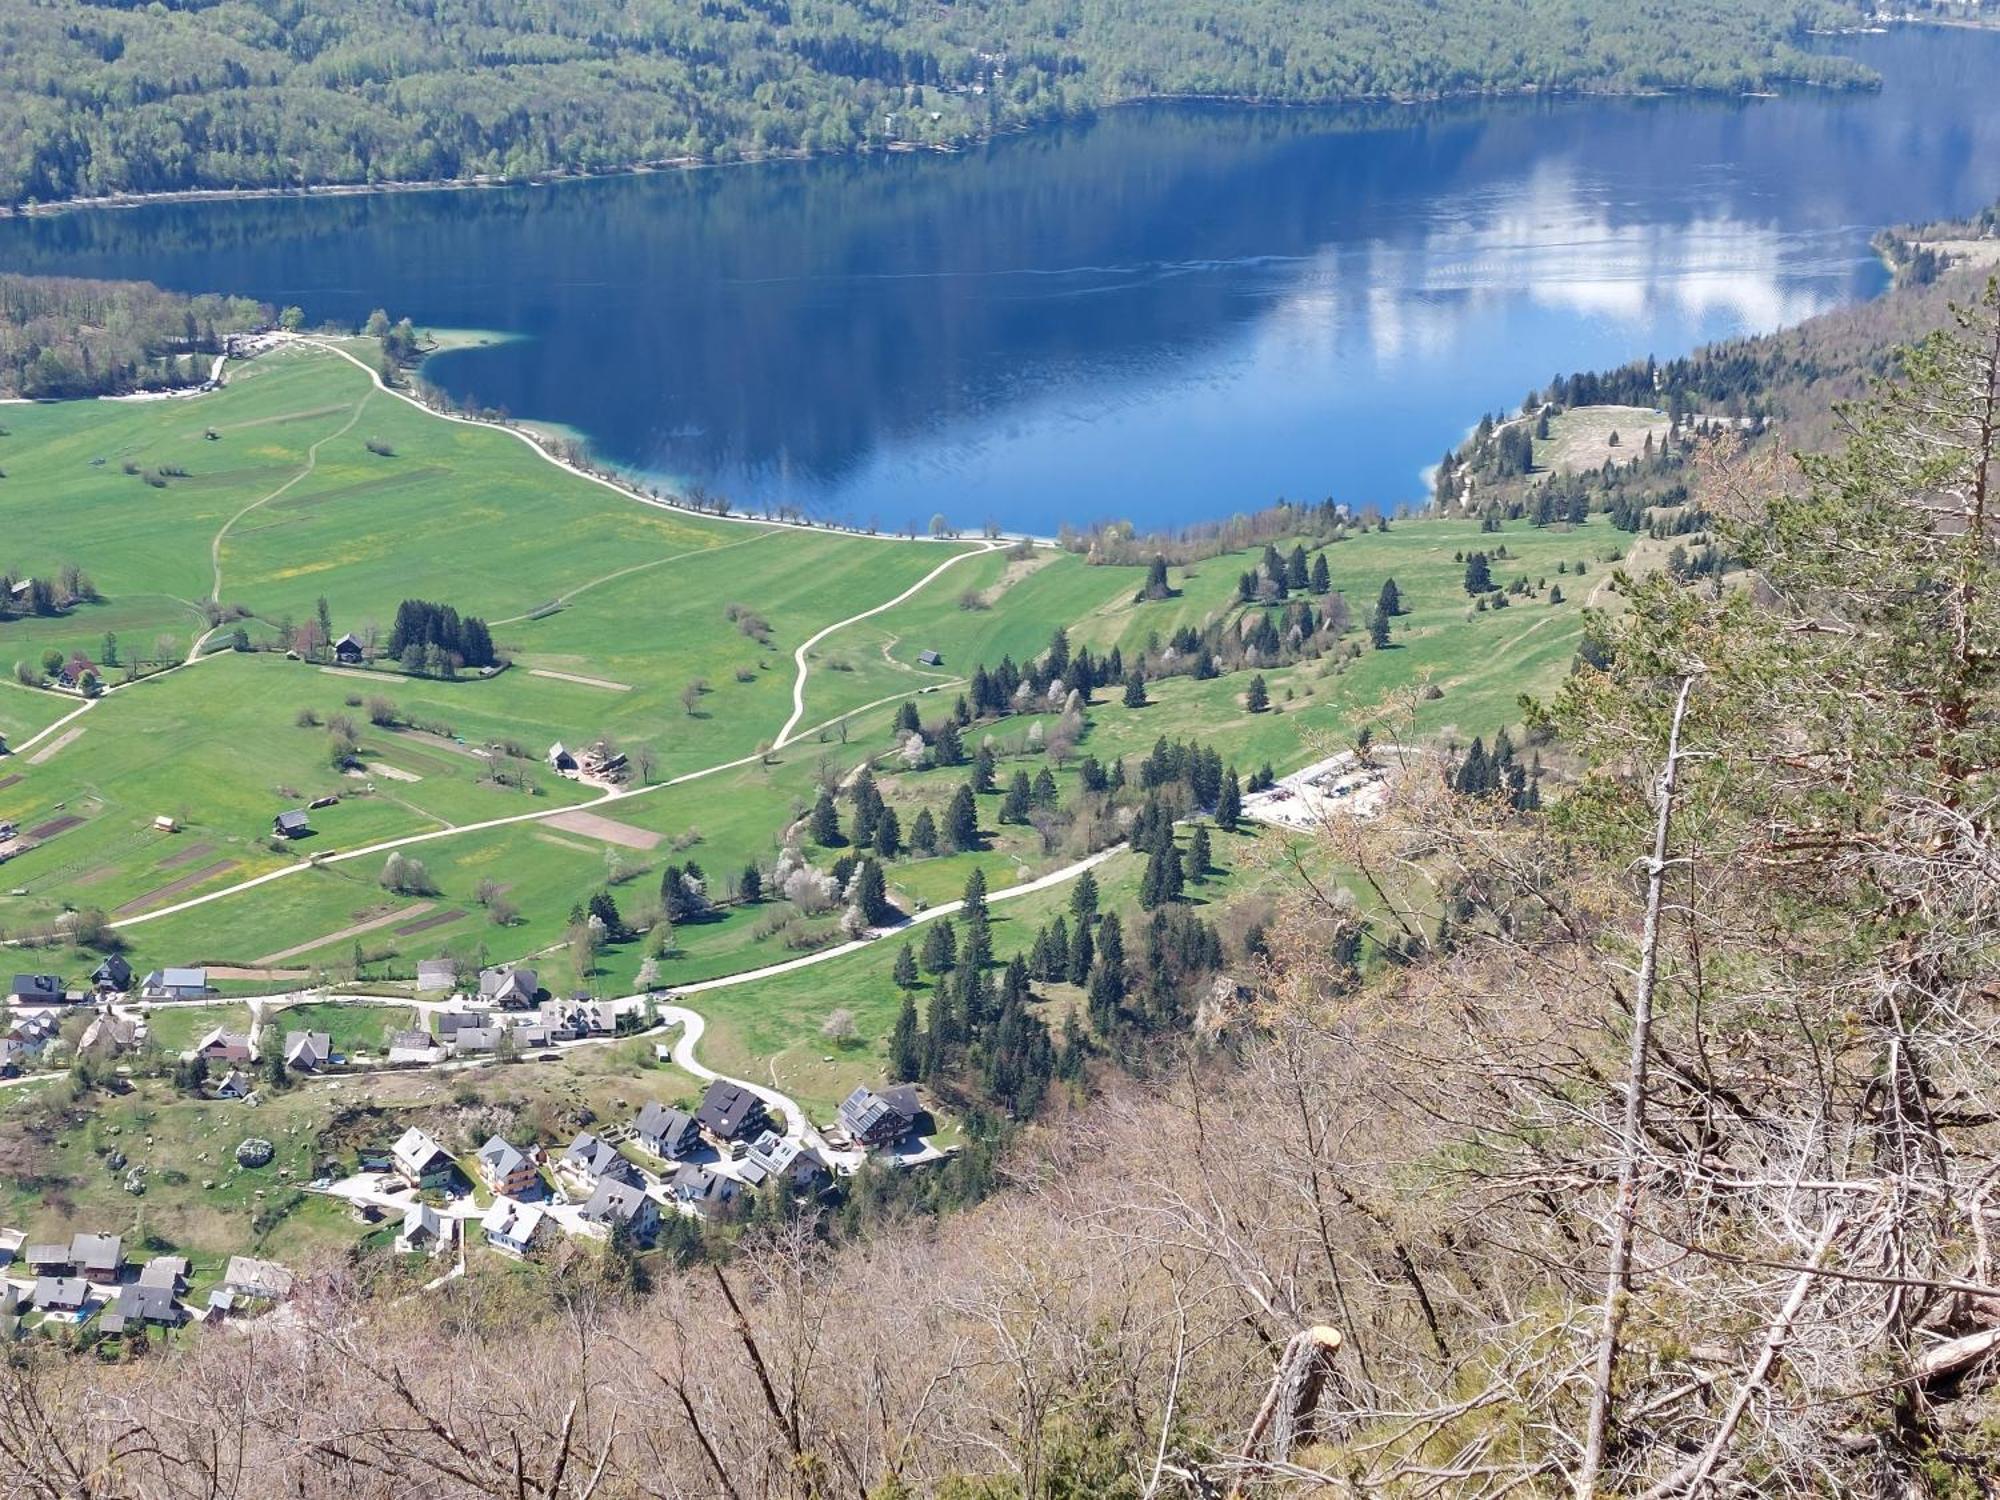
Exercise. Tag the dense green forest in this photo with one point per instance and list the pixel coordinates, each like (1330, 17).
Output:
(106, 98)
(62, 336)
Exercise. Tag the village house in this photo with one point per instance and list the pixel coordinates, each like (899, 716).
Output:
(560, 759)
(98, 1258)
(12, 1242)
(13, 1057)
(425, 1231)
(879, 1117)
(223, 1045)
(174, 984)
(516, 1229)
(309, 1051)
(580, 1017)
(458, 1017)
(475, 1041)
(730, 1111)
(246, 1277)
(591, 1161)
(169, 1271)
(508, 986)
(436, 976)
(420, 1161)
(140, 1304)
(235, 1084)
(107, 1035)
(414, 1045)
(113, 976)
(292, 824)
(348, 651)
(35, 989)
(48, 1259)
(508, 1171)
(667, 1133)
(618, 1202)
(707, 1193)
(62, 1297)
(782, 1160)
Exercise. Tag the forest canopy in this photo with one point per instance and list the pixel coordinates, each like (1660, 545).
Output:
(99, 99)
(63, 336)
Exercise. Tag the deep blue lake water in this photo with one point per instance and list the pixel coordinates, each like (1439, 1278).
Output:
(1166, 314)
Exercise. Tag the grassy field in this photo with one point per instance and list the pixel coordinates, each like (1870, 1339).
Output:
(317, 485)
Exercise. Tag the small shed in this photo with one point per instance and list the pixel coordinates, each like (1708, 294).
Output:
(931, 658)
(291, 825)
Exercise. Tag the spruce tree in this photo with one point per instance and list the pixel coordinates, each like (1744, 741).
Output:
(1082, 955)
(1135, 689)
(750, 885)
(1199, 856)
(1014, 808)
(1229, 804)
(906, 968)
(982, 769)
(940, 947)
(1378, 631)
(888, 834)
(975, 896)
(923, 833)
(1258, 698)
(1390, 600)
(1083, 899)
(1322, 579)
(1298, 576)
(872, 896)
(961, 820)
(906, 1057)
(824, 825)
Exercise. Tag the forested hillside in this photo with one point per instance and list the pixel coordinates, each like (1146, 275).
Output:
(63, 336)
(98, 99)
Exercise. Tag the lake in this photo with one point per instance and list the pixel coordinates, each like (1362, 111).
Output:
(1166, 314)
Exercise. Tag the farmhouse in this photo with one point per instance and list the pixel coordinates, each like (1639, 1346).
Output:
(509, 1172)
(291, 825)
(348, 651)
(876, 1117)
(174, 984)
(414, 1046)
(509, 986)
(107, 1035)
(169, 1271)
(419, 1160)
(729, 1110)
(309, 1051)
(590, 1162)
(114, 975)
(35, 989)
(617, 1202)
(515, 1228)
(667, 1133)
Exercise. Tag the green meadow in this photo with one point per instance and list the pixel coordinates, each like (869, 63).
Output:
(670, 633)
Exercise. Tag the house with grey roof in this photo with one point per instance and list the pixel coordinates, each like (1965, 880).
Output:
(590, 1161)
(876, 1117)
(97, 1257)
(48, 1259)
(509, 986)
(246, 1276)
(35, 989)
(174, 984)
(169, 1271)
(114, 975)
(509, 1171)
(425, 1231)
(414, 1046)
(516, 1228)
(62, 1296)
(293, 824)
(616, 1202)
(223, 1045)
(139, 1305)
(420, 1161)
(668, 1133)
(728, 1111)
(706, 1192)
(780, 1159)
(309, 1051)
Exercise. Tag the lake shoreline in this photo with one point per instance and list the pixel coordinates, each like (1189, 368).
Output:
(488, 183)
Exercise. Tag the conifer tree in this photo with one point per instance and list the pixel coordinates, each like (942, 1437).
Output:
(961, 820)
(824, 825)
(1135, 689)
(1322, 579)
(1258, 698)
(1229, 803)
(906, 968)
(923, 833)
(906, 1058)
